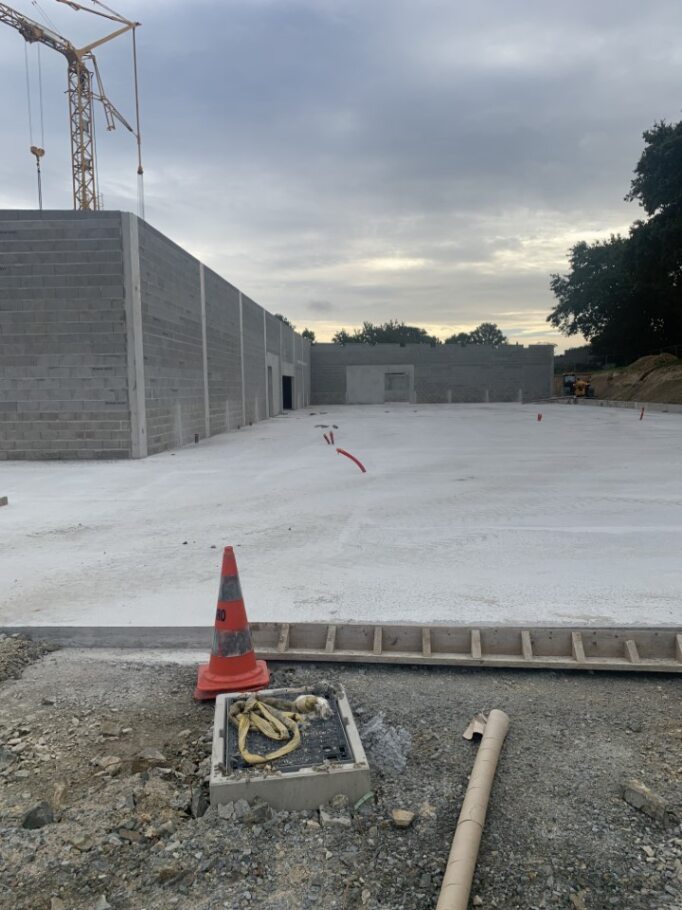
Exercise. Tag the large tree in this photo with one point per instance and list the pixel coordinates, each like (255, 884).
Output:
(391, 332)
(485, 333)
(595, 293)
(625, 294)
(657, 184)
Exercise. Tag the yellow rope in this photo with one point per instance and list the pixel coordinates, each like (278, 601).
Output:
(277, 720)
(273, 718)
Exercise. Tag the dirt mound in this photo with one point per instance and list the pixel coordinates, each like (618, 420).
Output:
(16, 652)
(645, 365)
(657, 377)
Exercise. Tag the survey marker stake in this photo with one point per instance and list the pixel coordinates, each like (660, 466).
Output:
(353, 458)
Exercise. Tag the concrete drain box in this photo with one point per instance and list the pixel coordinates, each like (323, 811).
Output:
(330, 760)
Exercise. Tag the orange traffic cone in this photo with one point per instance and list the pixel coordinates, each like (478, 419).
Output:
(232, 666)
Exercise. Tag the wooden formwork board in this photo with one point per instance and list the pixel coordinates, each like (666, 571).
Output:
(551, 647)
(633, 648)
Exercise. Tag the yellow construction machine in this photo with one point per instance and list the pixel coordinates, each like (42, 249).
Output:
(578, 385)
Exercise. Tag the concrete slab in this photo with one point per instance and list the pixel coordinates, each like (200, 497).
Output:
(468, 514)
(303, 788)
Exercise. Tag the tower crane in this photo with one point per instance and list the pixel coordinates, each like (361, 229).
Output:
(84, 88)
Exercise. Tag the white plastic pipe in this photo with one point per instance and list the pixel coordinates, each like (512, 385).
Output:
(459, 872)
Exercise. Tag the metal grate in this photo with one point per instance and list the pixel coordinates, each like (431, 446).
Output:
(321, 741)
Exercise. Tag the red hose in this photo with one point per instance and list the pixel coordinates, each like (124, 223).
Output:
(353, 458)
(327, 439)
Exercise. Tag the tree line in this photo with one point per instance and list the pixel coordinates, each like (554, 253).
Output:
(395, 332)
(624, 294)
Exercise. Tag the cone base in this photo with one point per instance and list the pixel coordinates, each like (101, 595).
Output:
(211, 684)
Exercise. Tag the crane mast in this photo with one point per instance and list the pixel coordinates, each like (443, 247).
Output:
(83, 74)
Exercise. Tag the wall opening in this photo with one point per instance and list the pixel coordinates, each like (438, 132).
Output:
(396, 387)
(287, 393)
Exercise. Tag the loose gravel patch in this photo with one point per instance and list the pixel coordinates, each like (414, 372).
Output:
(119, 753)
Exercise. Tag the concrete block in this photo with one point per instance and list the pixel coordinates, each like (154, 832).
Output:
(641, 797)
(303, 788)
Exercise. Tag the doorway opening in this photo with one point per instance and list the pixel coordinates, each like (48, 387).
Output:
(287, 393)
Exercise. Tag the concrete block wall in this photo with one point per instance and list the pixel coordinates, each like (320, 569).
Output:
(63, 361)
(254, 330)
(115, 342)
(223, 354)
(172, 341)
(355, 373)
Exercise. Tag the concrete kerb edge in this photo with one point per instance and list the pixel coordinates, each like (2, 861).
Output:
(658, 407)
(193, 638)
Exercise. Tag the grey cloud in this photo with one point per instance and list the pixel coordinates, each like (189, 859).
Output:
(320, 306)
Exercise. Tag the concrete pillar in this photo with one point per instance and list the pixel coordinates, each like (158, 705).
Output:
(177, 426)
(134, 346)
(265, 362)
(204, 349)
(241, 357)
(486, 396)
(520, 396)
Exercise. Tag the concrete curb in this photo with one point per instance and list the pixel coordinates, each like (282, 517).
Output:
(631, 648)
(655, 406)
(191, 638)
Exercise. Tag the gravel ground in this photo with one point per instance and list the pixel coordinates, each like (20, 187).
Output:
(119, 753)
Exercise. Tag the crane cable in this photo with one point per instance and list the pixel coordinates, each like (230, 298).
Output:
(36, 151)
(40, 98)
(42, 12)
(28, 96)
(138, 135)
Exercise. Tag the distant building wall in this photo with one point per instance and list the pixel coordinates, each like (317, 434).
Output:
(115, 342)
(374, 374)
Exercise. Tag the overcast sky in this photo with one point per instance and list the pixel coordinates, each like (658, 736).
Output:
(341, 160)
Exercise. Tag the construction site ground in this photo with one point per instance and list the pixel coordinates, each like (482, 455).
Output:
(467, 514)
(120, 751)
